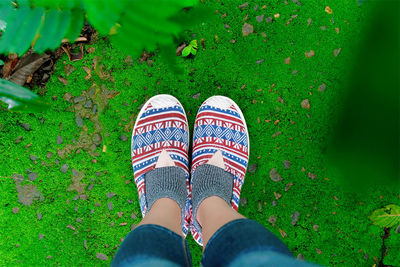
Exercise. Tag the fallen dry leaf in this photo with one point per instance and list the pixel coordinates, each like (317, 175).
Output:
(287, 61)
(73, 56)
(28, 64)
(336, 52)
(88, 72)
(180, 48)
(328, 10)
(63, 80)
(9, 65)
(310, 53)
(283, 233)
(305, 104)
(247, 29)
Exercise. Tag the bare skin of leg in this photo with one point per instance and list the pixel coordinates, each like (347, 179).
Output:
(165, 211)
(213, 212)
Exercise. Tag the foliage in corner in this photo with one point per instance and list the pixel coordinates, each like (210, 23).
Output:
(388, 216)
(134, 25)
(191, 49)
(18, 98)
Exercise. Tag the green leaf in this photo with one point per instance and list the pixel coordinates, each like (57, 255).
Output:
(389, 216)
(1, 62)
(75, 26)
(26, 33)
(194, 44)
(193, 51)
(19, 98)
(186, 51)
(14, 22)
(48, 27)
(104, 14)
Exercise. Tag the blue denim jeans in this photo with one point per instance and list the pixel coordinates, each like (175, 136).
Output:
(239, 243)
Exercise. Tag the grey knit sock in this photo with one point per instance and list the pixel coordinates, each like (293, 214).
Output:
(169, 182)
(209, 180)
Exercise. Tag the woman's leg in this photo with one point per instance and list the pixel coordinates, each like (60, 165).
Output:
(157, 240)
(160, 166)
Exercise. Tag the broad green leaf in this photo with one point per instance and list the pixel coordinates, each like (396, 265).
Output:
(25, 34)
(104, 14)
(75, 26)
(193, 51)
(59, 32)
(389, 216)
(19, 98)
(1, 62)
(48, 27)
(194, 44)
(14, 22)
(186, 51)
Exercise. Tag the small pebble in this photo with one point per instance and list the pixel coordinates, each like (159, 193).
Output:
(26, 126)
(110, 195)
(196, 96)
(287, 164)
(274, 175)
(18, 139)
(90, 187)
(15, 210)
(274, 203)
(260, 18)
(260, 61)
(49, 155)
(32, 157)
(97, 139)
(316, 227)
(64, 168)
(41, 236)
(133, 216)
(79, 220)
(101, 256)
(85, 244)
(252, 168)
(59, 140)
(300, 257)
(305, 104)
(110, 205)
(243, 6)
(243, 201)
(94, 109)
(322, 87)
(295, 217)
(78, 121)
(75, 172)
(39, 216)
(124, 138)
(272, 219)
(88, 104)
(268, 19)
(79, 99)
(33, 176)
(311, 176)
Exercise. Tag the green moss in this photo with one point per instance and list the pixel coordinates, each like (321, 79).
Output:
(345, 236)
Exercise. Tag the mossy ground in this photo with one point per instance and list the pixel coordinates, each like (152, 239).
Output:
(78, 222)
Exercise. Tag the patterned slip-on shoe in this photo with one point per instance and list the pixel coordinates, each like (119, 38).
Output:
(220, 125)
(160, 125)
